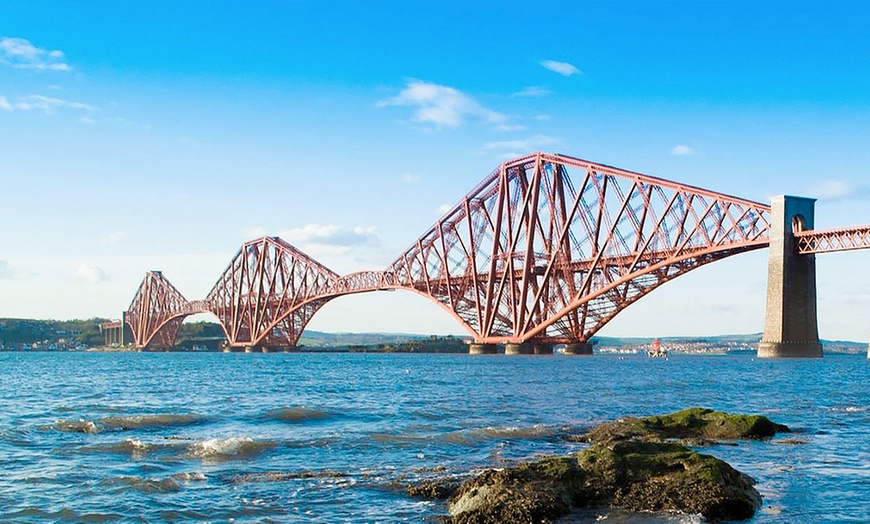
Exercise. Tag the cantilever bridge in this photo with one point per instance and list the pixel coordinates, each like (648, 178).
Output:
(546, 249)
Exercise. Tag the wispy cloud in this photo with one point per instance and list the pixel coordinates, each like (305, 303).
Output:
(21, 54)
(443, 209)
(562, 68)
(324, 240)
(46, 104)
(5, 271)
(682, 150)
(91, 274)
(87, 120)
(409, 178)
(839, 190)
(533, 91)
(526, 144)
(442, 105)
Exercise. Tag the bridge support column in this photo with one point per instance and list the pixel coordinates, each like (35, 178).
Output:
(542, 349)
(518, 349)
(790, 324)
(578, 348)
(482, 349)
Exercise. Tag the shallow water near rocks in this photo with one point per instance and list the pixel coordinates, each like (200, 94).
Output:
(212, 437)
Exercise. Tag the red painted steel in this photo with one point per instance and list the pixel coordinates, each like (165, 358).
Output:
(156, 312)
(531, 254)
(269, 292)
(547, 248)
(832, 240)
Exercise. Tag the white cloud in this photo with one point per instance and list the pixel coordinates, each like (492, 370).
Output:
(682, 150)
(442, 105)
(87, 120)
(834, 189)
(528, 144)
(45, 103)
(562, 68)
(21, 54)
(510, 127)
(91, 274)
(409, 178)
(542, 118)
(443, 209)
(5, 270)
(319, 240)
(533, 91)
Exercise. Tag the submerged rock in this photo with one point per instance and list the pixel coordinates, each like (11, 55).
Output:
(631, 464)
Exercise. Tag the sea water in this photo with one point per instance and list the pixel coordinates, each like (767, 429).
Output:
(300, 437)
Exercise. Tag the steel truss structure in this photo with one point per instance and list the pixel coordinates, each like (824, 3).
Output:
(532, 253)
(832, 240)
(547, 248)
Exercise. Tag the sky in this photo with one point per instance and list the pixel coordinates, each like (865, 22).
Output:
(161, 135)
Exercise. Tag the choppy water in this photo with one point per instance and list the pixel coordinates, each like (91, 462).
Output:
(139, 437)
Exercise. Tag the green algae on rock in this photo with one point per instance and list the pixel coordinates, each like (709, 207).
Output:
(636, 476)
(633, 464)
(694, 425)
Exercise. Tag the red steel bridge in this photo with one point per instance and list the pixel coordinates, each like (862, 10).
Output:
(545, 250)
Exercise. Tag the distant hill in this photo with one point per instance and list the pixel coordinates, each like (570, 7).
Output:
(29, 334)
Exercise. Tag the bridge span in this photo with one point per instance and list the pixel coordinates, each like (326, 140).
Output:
(545, 250)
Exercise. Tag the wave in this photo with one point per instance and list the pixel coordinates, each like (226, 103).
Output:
(145, 485)
(64, 515)
(129, 422)
(76, 426)
(229, 448)
(295, 414)
(131, 446)
(469, 437)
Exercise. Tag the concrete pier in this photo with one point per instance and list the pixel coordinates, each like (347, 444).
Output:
(578, 348)
(519, 349)
(542, 349)
(790, 324)
(482, 349)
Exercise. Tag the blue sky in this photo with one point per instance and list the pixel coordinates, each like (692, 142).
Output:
(162, 135)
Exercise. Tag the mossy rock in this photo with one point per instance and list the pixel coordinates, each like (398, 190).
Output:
(633, 463)
(633, 475)
(694, 425)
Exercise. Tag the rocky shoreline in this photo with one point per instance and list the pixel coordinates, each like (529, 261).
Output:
(636, 464)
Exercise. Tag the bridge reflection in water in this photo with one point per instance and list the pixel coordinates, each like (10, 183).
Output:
(545, 250)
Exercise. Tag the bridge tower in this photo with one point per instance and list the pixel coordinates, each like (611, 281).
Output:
(790, 325)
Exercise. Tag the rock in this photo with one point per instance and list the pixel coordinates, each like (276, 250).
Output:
(636, 476)
(632, 463)
(694, 426)
(434, 489)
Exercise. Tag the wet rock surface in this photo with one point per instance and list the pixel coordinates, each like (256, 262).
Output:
(633, 464)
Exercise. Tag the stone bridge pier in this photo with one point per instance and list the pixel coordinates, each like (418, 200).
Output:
(790, 324)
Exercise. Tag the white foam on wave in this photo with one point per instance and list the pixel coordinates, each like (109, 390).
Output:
(228, 447)
(77, 426)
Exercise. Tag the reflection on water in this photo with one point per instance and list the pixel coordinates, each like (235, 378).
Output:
(338, 437)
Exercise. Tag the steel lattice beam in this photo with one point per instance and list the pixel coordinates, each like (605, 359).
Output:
(832, 240)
